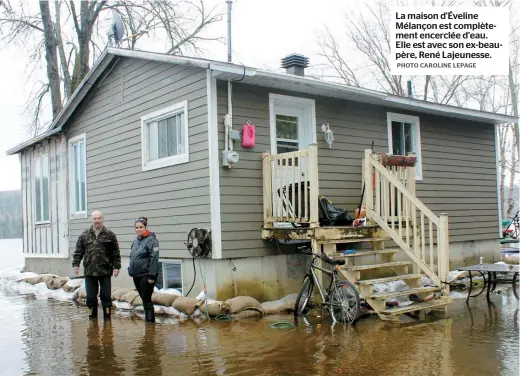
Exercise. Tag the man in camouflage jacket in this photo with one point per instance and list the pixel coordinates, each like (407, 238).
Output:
(99, 250)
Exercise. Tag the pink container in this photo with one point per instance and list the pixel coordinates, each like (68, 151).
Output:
(248, 135)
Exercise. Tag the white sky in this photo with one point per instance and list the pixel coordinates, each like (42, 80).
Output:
(264, 31)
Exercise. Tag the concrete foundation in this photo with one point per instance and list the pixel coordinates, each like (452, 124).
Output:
(264, 278)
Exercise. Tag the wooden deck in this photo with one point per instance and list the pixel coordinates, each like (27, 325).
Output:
(327, 234)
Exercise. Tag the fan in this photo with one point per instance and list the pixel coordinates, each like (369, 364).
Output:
(199, 242)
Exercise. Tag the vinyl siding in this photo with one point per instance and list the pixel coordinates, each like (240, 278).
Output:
(174, 198)
(458, 161)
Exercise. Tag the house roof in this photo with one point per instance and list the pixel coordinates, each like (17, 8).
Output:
(259, 77)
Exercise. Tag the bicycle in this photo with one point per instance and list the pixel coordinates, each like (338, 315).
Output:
(341, 297)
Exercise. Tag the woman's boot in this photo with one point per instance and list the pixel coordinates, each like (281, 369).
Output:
(149, 312)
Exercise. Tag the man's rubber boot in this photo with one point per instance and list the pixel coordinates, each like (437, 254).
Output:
(106, 312)
(93, 312)
(149, 312)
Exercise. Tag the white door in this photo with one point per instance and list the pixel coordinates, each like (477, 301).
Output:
(292, 132)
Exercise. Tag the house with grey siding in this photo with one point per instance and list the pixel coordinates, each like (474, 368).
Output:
(159, 135)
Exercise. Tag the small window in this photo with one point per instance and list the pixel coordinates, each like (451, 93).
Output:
(165, 137)
(41, 189)
(78, 177)
(170, 275)
(404, 137)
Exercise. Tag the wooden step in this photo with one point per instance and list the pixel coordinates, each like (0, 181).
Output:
(368, 253)
(377, 266)
(350, 240)
(393, 294)
(402, 277)
(417, 307)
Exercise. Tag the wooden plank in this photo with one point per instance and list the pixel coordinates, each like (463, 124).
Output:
(395, 294)
(361, 253)
(53, 197)
(377, 266)
(417, 307)
(403, 277)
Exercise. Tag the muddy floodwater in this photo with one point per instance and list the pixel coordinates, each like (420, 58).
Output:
(45, 337)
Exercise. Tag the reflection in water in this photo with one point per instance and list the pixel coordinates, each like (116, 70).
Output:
(51, 338)
(101, 358)
(147, 360)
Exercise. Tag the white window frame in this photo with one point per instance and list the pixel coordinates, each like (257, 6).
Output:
(171, 261)
(33, 193)
(77, 214)
(307, 106)
(181, 107)
(416, 137)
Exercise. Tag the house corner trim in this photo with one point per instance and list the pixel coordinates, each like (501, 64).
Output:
(214, 170)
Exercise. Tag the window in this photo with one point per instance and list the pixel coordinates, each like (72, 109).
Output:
(404, 137)
(41, 189)
(78, 177)
(287, 134)
(164, 137)
(170, 275)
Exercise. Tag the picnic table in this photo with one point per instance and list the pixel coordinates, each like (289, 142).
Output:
(492, 278)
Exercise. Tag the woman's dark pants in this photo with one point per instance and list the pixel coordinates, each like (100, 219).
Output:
(145, 290)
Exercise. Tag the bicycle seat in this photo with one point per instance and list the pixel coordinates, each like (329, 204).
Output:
(338, 262)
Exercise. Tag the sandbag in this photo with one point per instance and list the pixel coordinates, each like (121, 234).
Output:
(285, 304)
(512, 258)
(129, 297)
(164, 299)
(247, 314)
(240, 303)
(34, 280)
(46, 278)
(57, 283)
(118, 292)
(213, 309)
(81, 293)
(186, 305)
(137, 301)
(68, 287)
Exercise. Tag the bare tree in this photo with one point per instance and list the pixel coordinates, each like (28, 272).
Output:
(371, 38)
(69, 33)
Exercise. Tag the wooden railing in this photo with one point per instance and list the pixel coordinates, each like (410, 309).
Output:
(291, 187)
(392, 204)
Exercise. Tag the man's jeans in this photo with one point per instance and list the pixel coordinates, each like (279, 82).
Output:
(92, 285)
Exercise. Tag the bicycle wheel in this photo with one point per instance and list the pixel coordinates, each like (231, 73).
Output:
(343, 302)
(304, 296)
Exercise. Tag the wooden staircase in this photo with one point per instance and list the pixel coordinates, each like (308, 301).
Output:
(393, 213)
(360, 268)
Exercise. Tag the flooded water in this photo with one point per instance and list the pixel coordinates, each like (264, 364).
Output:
(45, 337)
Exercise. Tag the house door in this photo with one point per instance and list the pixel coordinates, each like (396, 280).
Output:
(292, 131)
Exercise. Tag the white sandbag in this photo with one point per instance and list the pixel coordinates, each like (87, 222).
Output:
(170, 311)
(201, 296)
(171, 291)
(123, 306)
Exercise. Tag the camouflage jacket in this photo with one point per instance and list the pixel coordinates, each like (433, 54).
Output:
(100, 254)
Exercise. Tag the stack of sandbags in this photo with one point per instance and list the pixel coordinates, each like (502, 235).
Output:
(283, 305)
(57, 283)
(243, 307)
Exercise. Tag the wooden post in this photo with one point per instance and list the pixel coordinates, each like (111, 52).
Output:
(444, 254)
(369, 194)
(314, 186)
(268, 193)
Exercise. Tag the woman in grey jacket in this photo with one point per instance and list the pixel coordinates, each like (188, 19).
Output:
(144, 265)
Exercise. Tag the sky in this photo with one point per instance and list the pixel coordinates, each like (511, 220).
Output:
(263, 32)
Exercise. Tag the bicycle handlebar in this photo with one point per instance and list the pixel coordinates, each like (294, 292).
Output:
(306, 250)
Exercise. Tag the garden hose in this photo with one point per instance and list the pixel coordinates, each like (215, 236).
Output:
(282, 325)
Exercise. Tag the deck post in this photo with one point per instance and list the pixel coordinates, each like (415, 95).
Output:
(268, 195)
(314, 186)
(444, 254)
(369, 194)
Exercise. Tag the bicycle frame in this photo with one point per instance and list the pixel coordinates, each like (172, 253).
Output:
(332, 273)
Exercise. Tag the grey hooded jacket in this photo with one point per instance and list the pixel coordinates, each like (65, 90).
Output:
(144, 257)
